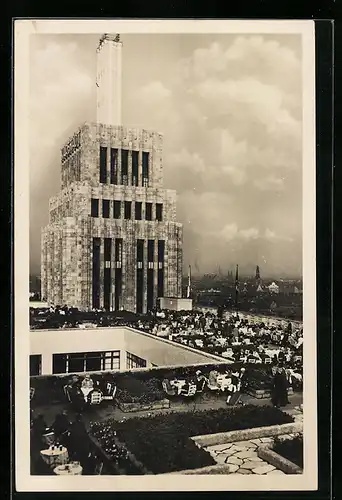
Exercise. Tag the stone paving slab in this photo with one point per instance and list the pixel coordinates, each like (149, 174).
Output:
(244, 471)
(252, 464)
(246, 454)
(234, 460)
(276, 472)
(263, 469)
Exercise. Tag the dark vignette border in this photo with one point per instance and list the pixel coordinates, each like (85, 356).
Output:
(324, 155)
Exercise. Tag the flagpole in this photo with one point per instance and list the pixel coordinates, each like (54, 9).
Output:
(237, 288)
(189, 284)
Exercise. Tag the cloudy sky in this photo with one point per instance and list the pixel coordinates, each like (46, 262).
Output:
(230, 110)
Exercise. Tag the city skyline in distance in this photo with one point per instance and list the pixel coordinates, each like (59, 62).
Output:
(236, 166)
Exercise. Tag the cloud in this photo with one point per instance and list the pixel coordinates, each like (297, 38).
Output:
(238, 176)
(185, 160)
(272, 236)
(270, 184)
(155, 91)
(231, 232)
(60, 92)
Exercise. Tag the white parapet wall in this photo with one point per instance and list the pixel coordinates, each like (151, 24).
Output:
(155, 350)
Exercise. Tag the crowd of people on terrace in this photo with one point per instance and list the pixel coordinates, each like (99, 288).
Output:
(233, 336)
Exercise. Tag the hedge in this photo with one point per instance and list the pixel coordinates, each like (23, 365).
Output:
(292, 449)
(162, 443)
(132, 390)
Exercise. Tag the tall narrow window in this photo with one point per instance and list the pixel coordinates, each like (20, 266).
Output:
(140, 251)
(128, 209)
(148, 211)
(135, 167)
(113, 166)
(161, 254)
(118, 251)
(159, 212)
(150, 275)
(150, 250)
(107, 273)
(124, 166)
(105, 208)
(145, 172)
(94, 207)
(103, 165)
(118, 273)
(117, 209)
(138, 210)
(140, 276)
(96, 273)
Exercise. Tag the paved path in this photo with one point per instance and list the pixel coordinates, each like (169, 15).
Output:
(242, 456)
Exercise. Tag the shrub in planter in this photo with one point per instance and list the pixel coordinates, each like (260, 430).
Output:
(292, 449)
(132, 390)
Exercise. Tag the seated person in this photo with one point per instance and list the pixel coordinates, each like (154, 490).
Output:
(234, 386)
(200, 380)
(87, 382)
(61, 427)
(213, 378)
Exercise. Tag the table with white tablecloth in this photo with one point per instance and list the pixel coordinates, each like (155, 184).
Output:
(178, 384)
(55, 456)
(86, 391)
(68, 470)
(223, 381)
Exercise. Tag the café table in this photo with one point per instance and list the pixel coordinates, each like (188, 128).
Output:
(223, 381)
(68, 470)
(179, 384)
(57, 455)
(86, 391)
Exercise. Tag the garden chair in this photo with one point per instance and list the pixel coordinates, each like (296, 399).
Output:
(98, 469)
(168, 389)
(95, 397)
(111, 391)
(251, 360)
(190, 392)
(66, 390)
(267, 361)
(201, 385)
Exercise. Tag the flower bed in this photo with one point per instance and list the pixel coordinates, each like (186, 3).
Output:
(291, 449)
(162, 443)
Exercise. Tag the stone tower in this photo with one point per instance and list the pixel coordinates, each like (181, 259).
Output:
(113, 241)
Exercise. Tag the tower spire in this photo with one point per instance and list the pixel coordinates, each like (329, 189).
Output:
(108, 79)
